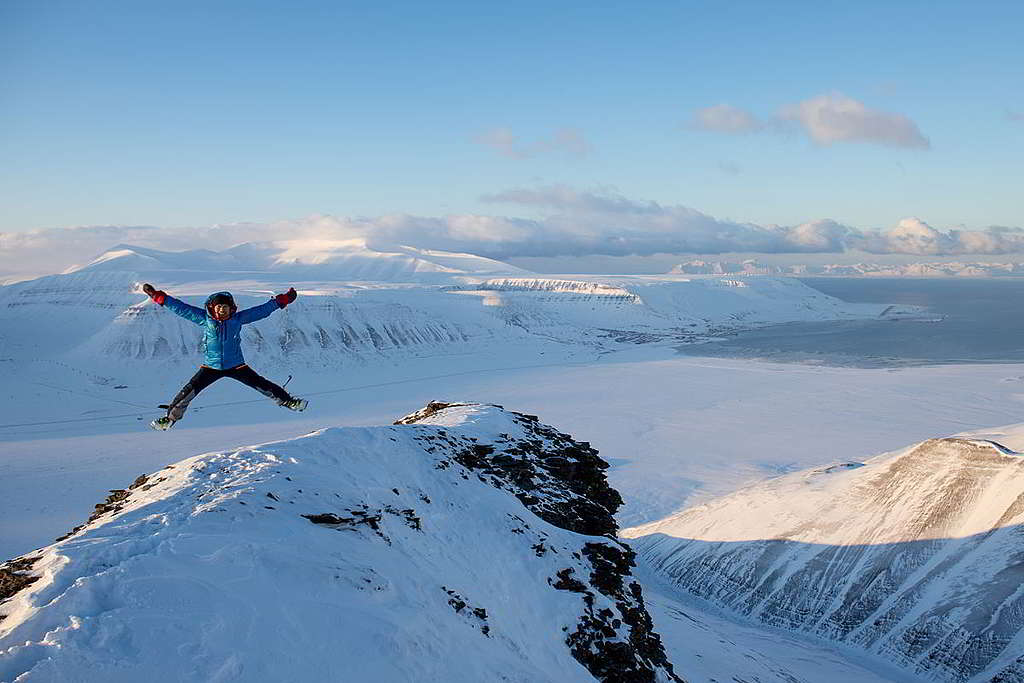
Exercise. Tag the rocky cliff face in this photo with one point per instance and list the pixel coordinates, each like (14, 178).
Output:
(916, 556)
(464, 543)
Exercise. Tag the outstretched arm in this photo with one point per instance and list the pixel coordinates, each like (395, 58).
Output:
(251, 315)
(186, 311)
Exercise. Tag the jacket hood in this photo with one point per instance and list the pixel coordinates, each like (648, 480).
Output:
(220, 298)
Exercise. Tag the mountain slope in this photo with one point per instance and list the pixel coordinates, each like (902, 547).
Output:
(301, 260)
(917, 556)
(100, 315)
(466, 543)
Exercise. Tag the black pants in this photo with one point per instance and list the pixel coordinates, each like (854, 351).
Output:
(207, 376)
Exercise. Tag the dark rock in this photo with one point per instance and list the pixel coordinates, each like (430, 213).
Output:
(431, 408)
(13, 577)
(635, 655)
(326, 518)
(113, 503)
(559, 479)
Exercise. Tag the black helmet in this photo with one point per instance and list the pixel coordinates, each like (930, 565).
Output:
(220, 298)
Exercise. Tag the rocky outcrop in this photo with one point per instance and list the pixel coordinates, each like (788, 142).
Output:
(562, 481)
(14, 575)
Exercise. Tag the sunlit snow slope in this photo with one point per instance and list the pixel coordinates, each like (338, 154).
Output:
(466, 544)
(359, 306)
(917, 556)
(303, 260)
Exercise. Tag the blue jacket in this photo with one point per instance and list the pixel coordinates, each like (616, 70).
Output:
(222, 339)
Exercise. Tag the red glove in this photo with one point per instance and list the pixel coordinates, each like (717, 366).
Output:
(286, 298)
(156, 295)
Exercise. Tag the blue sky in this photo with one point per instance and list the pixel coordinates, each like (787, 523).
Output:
(191, 114)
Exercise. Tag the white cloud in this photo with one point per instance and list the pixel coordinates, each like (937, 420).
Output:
(724, 118)
(606, 223)
(914, 236)
(825, 119)
(567, 141)
(832, 118)
(578, 223)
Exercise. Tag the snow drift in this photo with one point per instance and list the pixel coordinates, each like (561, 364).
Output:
(917, 556)
(464, 543)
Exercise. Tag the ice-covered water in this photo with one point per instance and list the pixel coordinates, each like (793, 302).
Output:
(968, 321)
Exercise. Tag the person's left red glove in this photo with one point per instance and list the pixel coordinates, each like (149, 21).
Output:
(286, 298)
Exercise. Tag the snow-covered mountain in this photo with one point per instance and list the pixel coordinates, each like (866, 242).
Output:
(353, 260)
(464, 543)
(100, 313)
(916, 556)
(929, 270)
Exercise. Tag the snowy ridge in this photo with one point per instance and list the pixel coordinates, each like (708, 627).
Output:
(100, 313)
(452, 546)
(302, 260)
(915, 556)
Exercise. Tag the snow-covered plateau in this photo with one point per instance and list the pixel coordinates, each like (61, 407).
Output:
(377, 332)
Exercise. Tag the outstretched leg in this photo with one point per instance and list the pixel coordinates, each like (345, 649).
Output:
(202, 379)
(249, 377)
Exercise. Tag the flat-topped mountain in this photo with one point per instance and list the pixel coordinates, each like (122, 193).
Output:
(353, 259)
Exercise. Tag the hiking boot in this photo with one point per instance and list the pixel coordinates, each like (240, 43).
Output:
(162, 424)
(296, 404)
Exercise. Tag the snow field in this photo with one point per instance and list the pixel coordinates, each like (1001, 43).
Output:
(214, 574)
(677, 431)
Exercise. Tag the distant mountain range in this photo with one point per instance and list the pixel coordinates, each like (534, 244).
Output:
(916, 556)
(753, 267)
(301, 260)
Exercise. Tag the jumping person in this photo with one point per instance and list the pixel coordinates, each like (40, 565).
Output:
(222, 326)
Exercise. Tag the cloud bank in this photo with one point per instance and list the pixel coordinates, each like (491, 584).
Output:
(826, 120)
(575, 223)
